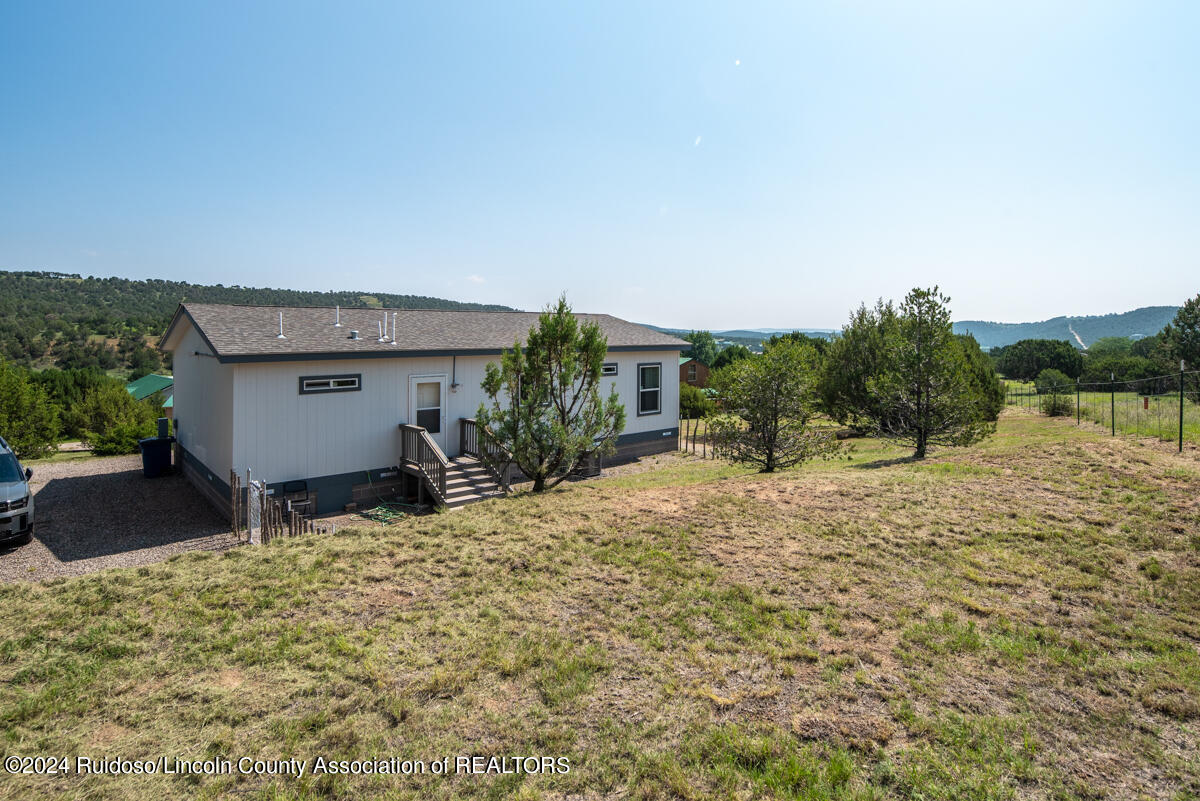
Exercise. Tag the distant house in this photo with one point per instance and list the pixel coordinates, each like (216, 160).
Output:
(693, 371)
(344, 405)
(147, 385)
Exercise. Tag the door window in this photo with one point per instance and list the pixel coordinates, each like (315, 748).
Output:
(429, 406)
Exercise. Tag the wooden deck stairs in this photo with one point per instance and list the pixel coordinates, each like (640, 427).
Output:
(467, 481)
(453, 483)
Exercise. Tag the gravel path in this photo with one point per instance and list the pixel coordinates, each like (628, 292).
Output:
(99, 513)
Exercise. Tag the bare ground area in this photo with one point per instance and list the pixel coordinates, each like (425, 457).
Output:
(94, 514)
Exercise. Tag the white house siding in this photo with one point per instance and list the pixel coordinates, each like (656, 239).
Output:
(203, 407)
(203, 403)
(626, 383)
(283, 435)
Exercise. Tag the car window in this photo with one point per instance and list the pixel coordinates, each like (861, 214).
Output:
(9, 469)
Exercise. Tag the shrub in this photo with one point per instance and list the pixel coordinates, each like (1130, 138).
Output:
(851, 360)
(113, 421)
(1058, 405)
(1053, 382)
(694, 403)
(120, 439)
(770, 400)
(983, 378)
(28, 418)
(1056, 389)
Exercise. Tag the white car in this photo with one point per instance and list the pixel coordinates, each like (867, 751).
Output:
(16, 501)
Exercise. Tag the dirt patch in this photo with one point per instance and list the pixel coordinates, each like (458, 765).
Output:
(106, 735)
(230, 679)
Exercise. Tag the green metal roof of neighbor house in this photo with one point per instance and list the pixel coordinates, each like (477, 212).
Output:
(147, 385)
(169, 403)
(251, 333)
(685, 359)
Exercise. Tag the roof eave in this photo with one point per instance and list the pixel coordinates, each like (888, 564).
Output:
(252, 358)
(181, 313)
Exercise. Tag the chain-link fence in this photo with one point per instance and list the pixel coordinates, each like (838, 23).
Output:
(1163, 406)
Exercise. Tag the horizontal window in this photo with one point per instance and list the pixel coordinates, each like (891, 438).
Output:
(313, 384)
(649, 388)
(609, 368)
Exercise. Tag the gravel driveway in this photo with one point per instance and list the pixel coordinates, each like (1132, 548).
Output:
(98, 513)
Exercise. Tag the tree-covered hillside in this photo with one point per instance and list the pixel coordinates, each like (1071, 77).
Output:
(1144, 322)
(70, 321)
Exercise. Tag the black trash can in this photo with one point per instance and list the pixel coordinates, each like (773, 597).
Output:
(156, 456)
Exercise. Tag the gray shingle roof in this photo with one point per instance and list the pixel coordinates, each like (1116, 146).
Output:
(251, 332)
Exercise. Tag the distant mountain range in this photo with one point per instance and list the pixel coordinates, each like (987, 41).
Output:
(752, 338)
(1079, 331)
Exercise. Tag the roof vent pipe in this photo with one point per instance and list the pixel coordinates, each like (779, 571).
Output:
(380, 326)
(337, 316)
(354, 335)
(281, 336)
(393, 328)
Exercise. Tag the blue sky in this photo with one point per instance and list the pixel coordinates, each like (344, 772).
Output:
(689, 164)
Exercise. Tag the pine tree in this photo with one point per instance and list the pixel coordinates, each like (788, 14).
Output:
(545, 398)
(925, 393)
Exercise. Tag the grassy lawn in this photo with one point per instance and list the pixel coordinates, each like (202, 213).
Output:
(1136, 414)
(61, 456)
(1015, 620)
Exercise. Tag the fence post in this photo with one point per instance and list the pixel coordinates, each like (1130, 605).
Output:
(1112, 401)
(1076, 401)
(1181, 405)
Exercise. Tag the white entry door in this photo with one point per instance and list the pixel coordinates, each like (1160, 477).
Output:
(427, 405)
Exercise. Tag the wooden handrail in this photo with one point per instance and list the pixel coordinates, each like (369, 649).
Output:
(478, 441)
(418, 449)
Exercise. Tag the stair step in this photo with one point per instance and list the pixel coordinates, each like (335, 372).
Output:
(468, 480)
(463, 492)
(463, 500)
(466, 468)
(461, 478)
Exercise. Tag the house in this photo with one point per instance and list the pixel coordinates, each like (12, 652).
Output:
(347, 404)
(693, 371)
(147, 385)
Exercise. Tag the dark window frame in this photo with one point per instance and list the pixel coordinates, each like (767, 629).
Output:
(604, 369)
(641, 389)
(331, 378)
